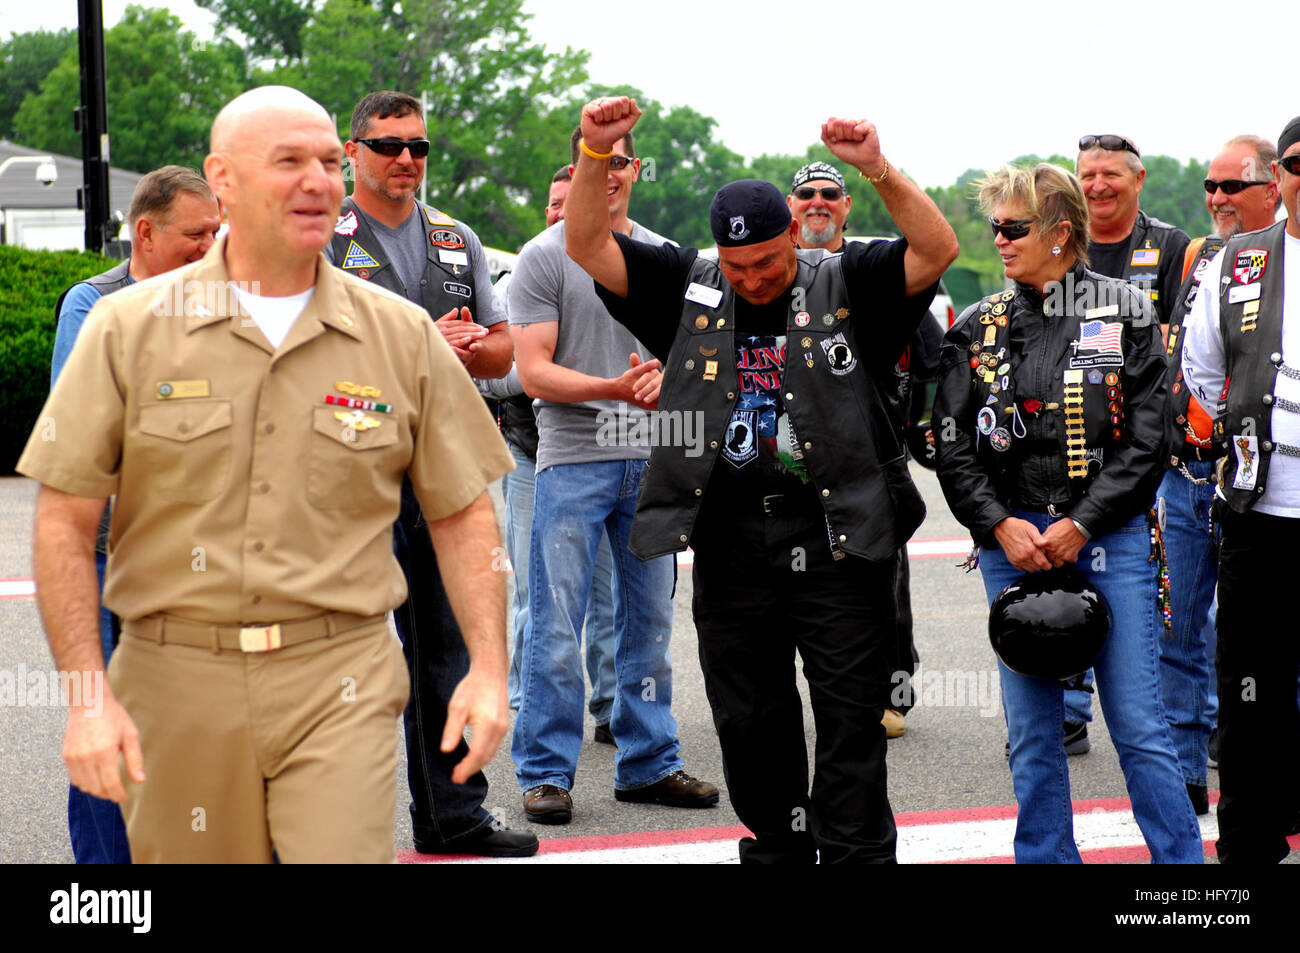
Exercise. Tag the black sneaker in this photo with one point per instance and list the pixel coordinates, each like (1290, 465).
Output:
(1200, 796)
(1076, 738)
(604, 736)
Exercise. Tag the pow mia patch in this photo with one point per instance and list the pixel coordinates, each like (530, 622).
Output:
(741, 444)
(838, 354)
(442, 238)
(738, 231)
(456, 288)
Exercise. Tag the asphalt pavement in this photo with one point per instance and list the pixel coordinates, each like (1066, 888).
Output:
(951, 758)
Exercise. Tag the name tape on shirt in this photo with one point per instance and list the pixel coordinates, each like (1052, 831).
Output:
(456, 288)
(703, 294)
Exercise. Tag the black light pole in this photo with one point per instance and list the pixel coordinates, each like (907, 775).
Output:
(91, 120)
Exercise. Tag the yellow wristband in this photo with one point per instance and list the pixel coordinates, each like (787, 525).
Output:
(582, 143)
(880, 178)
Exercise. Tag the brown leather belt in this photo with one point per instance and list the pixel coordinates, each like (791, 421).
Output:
(259, 637)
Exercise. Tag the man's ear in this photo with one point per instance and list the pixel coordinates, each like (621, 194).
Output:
(793, 231)
(143, 233)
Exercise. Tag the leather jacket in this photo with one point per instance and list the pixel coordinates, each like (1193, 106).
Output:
(1059, 408)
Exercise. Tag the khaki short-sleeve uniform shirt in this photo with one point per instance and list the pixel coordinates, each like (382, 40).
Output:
(243, 494)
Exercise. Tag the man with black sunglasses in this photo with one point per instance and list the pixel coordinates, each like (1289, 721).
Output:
(1241, 196)
(1124, 242)
(384, 235)
(1244, 329)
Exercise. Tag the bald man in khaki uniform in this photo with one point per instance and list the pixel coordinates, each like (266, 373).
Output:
(255, 414)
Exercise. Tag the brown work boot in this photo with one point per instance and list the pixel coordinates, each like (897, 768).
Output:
(548, 804)
(679, 789)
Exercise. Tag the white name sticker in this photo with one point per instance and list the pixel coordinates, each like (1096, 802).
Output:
(1243, 293)
(449, 257)
(1103, 312)
(703, 294)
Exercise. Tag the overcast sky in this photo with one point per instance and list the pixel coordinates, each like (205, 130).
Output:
(950, 85)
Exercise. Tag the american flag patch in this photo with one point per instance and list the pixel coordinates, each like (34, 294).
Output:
(1100, 336)
(1146, 256)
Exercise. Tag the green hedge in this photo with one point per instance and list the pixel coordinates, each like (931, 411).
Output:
(30, 285)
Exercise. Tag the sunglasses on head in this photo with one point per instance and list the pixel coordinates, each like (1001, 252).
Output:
(1012, 229)
(1229, 186)
(1109, 143)
(1290, 163)
(391, 147)
(829, 193)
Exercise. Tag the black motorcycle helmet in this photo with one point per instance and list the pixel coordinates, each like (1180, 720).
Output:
(1049, 624)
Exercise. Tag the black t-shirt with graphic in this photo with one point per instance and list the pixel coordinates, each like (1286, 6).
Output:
(755, 458)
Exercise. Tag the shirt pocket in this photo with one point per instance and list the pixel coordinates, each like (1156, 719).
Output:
(351, 468)
(186, 448)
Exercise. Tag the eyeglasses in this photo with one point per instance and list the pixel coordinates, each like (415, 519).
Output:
(1013, 230)
(391, 147)
(830, 193)
(617, 163)
(1290, 163)
(1109, 143)
(1229, 186)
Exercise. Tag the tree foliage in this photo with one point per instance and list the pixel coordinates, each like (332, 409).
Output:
(25, 60)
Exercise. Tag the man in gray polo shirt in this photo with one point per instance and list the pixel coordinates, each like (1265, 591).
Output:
(594, 383)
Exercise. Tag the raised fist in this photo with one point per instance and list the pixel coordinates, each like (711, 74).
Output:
(856, 142)
(607, 120)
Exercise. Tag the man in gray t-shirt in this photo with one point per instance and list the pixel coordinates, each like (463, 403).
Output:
(595, 387)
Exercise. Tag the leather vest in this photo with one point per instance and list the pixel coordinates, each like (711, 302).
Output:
(119, 276)
(1149, 233)
(1250, 321)
(1179, 393)
(839, 426)
(448, 279)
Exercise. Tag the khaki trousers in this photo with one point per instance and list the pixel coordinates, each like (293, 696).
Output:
(293, 750)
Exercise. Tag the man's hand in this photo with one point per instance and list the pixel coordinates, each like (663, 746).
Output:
(1022, 544)
(647, 390)
(480, 702)
(91, 746)
(462, 333)
(637, 380)
(856, 142)
(607, 120)
(1062, 542)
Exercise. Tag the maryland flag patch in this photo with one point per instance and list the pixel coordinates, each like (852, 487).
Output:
(1249, 265)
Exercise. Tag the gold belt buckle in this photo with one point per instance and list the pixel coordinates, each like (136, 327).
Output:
(259, 638)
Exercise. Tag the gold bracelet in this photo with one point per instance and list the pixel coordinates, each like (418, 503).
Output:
(582, 143)
(881, 178)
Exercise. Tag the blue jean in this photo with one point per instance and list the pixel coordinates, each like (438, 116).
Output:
(599, 630)
(94, 824)
(575, 504)
(1119, 566)
(1187, 683)
(436, 659)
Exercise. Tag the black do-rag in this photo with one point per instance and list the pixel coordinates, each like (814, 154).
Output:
(747, 212)
(1290, 136)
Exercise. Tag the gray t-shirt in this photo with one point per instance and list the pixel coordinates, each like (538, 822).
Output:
(548, 285)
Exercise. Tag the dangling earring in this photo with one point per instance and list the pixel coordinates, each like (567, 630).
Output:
(1056, 250)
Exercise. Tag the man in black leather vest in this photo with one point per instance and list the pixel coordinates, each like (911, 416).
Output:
(796, 498)
(1124, 242)
(173, 219)
(1242, 358)
(385, 236)
(1241, 196)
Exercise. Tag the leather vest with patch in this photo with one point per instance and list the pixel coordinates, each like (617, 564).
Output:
(106, 282)
(1250, 321)
(1149, 234)
(839, 427)
(1179, 394)
(448, 279)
